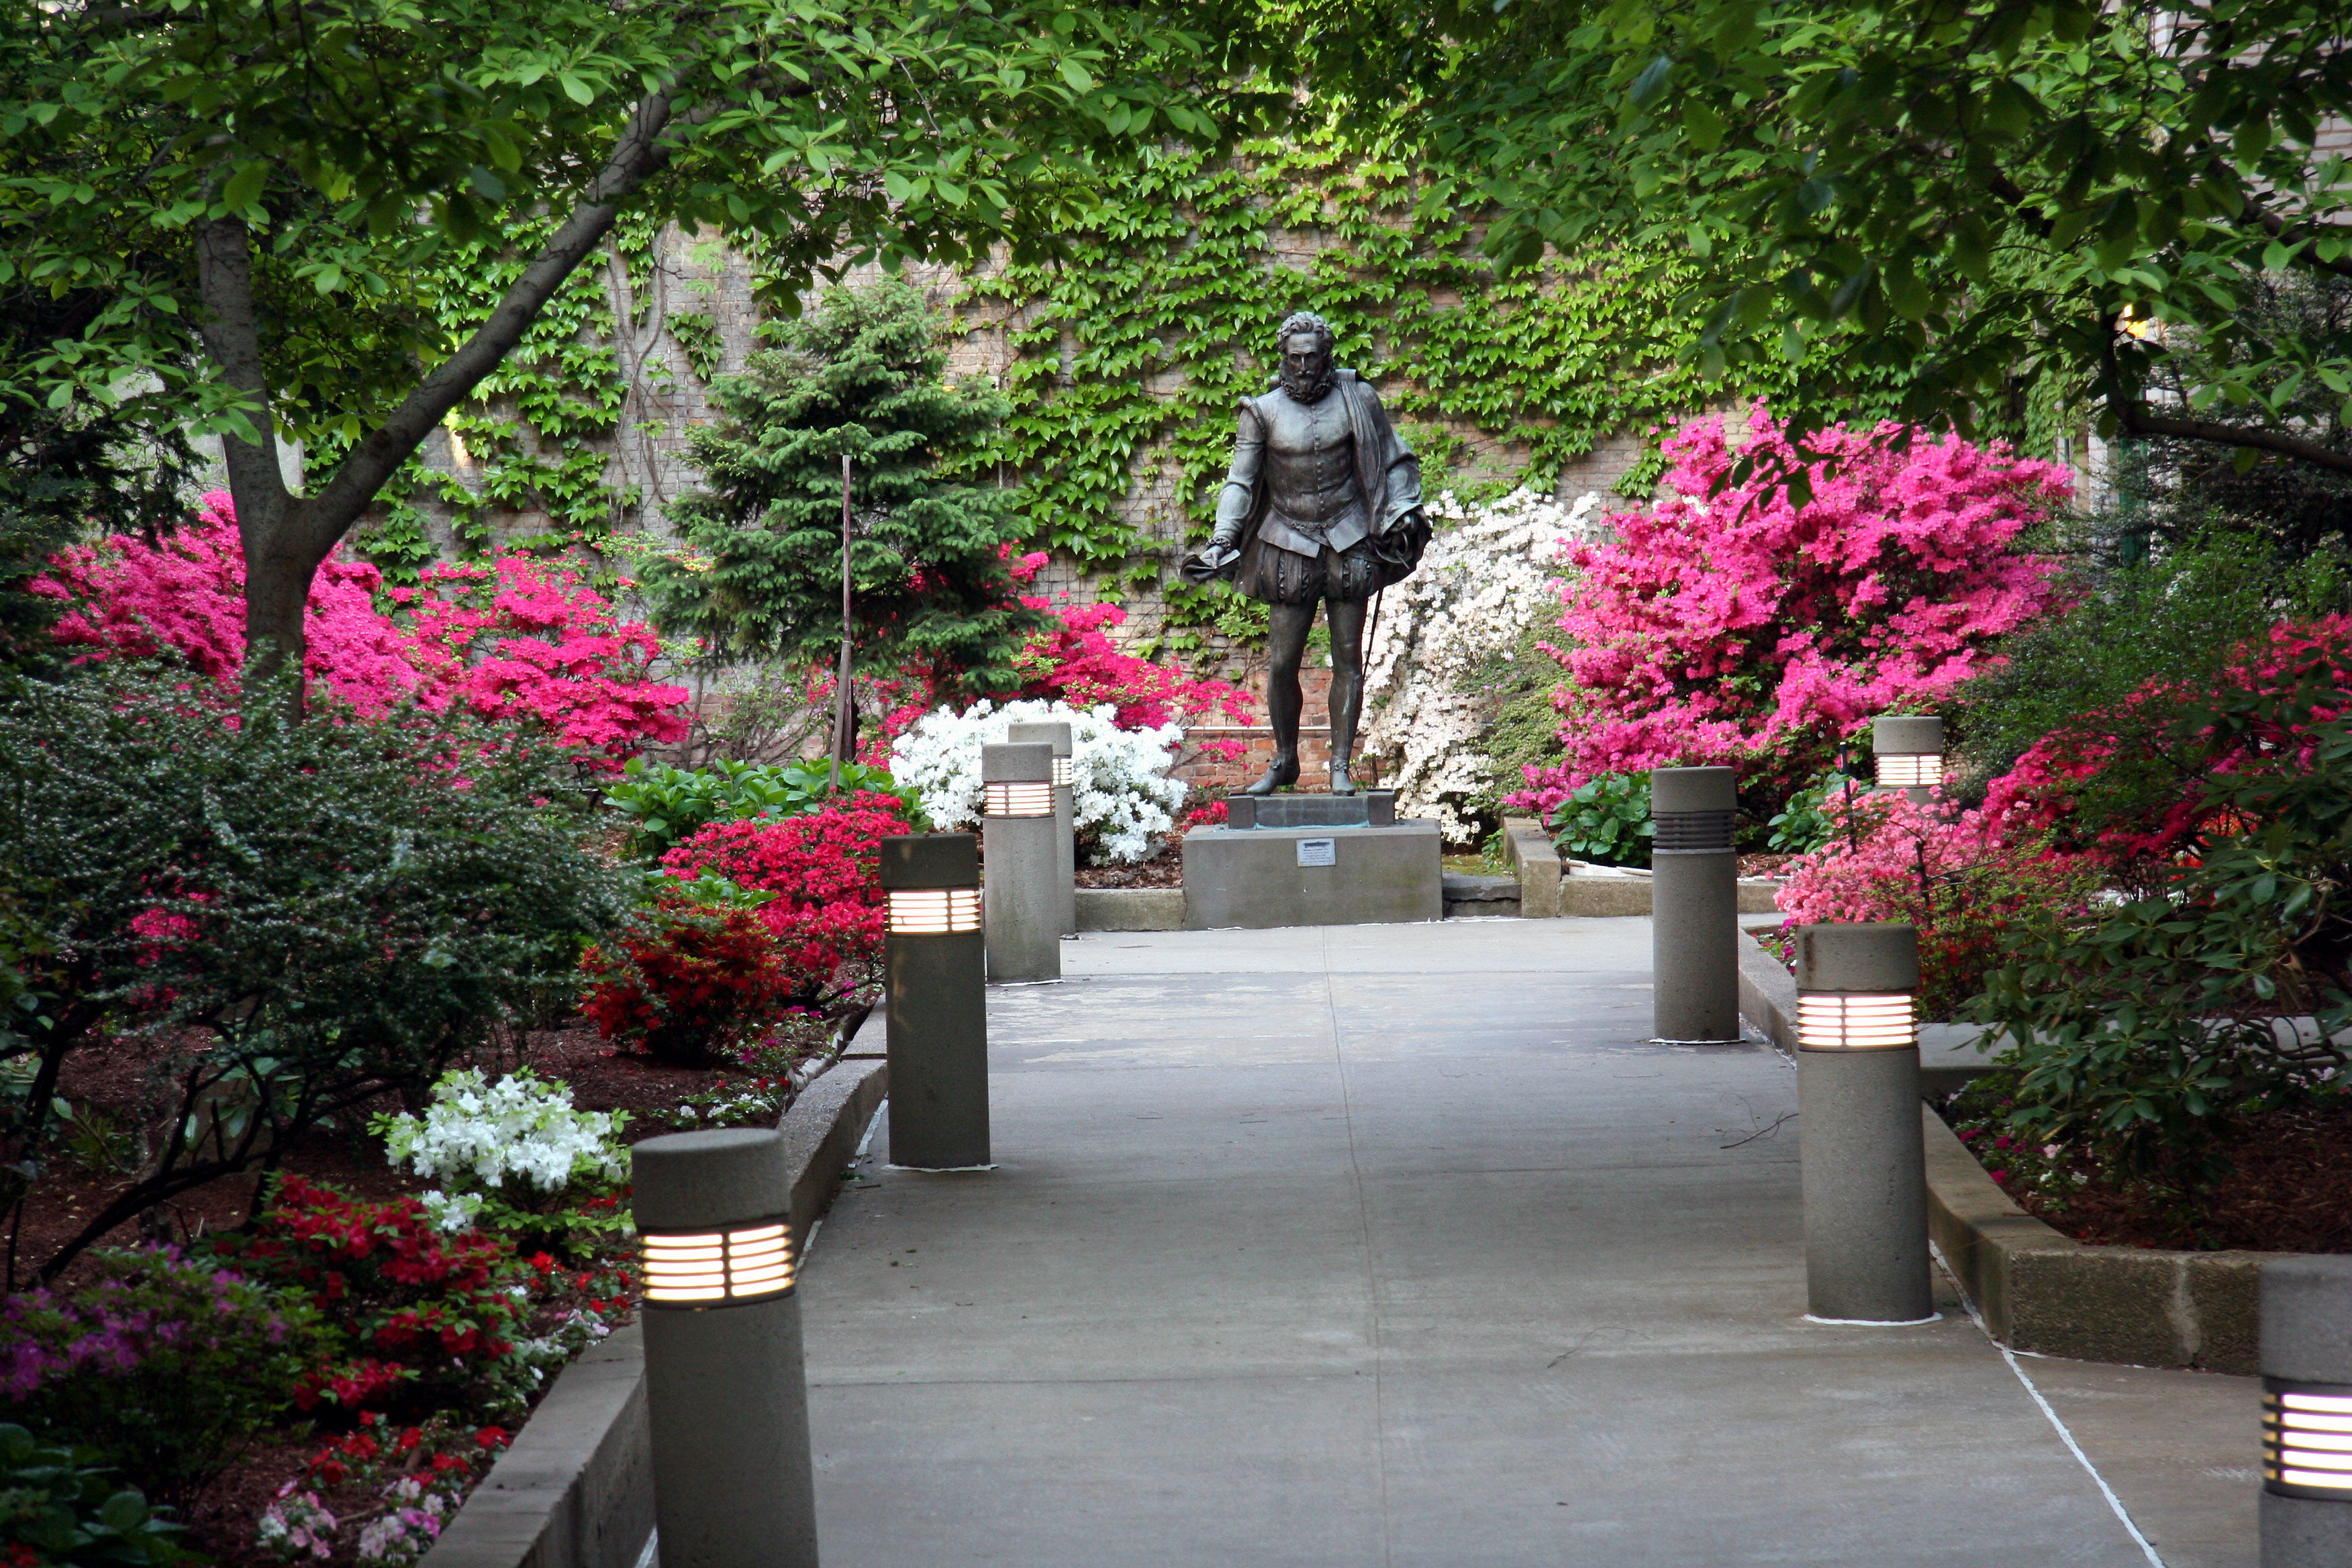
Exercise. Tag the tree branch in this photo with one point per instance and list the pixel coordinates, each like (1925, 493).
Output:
(2136, 420)
(643, 149)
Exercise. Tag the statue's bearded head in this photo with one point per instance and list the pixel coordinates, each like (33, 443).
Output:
(1305, 340)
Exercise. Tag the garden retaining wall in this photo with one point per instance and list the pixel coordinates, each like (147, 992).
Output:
(576, 1489)
(2038, 1289)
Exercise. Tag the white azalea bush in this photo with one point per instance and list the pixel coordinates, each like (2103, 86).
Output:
(1124, 802)
(1490, 576)
(515, 1145)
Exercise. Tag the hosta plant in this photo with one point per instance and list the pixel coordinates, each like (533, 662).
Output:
(1606, 820)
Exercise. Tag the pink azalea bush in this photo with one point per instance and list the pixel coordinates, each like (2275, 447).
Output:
(1734, 627)
(1960, 877)
(518, 637)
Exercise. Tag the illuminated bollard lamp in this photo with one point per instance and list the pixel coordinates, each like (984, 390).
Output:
(1694, 906)
(1861, 1151)
(726, 1392)
(1907, 753)
(1066, 809)
(1018, 903)
(2306, 1358)
(934, 961)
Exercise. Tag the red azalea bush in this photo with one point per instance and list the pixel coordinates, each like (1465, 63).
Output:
(1732, 626)
(518, 637)
(1958, 877)
(1077, 662)
(2131, 782)
(420, 1319)
(828, 912)
(686, 982)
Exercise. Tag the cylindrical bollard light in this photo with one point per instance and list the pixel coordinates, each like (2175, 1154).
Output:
(1017, 827)
(935, 965)
(1066, 808)
(2306, 1354)
(726, 1393)
(1694, 906)
(1908, 754)
(1863, 1159)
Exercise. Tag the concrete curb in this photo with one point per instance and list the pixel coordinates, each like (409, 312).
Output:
(576, 1489)
(1130, 908)
(2039, 1289)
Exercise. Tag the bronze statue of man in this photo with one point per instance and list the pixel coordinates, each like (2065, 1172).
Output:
(1322, 505)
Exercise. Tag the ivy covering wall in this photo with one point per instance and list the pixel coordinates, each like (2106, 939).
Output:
(1123, 362)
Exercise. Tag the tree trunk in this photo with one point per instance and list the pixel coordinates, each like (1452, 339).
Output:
(285, 537)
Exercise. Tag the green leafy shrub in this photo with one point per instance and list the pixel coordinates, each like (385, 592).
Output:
(1812, 815)
(54, 1508)
(669, 804)
(306, 916)
(2139, 1033)
(163, 1364)
(1606, 820)
(2140, 647)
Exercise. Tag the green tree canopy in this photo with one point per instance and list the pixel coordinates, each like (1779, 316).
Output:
(757, 567)
(2004, 201)
(236, 196)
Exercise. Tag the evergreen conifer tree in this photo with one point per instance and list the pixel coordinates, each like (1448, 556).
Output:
(757, 567)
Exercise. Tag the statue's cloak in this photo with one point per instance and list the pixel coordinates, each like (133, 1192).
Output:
(1388, 476)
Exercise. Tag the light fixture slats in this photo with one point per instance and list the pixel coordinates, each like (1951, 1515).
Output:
(934, 911)
(745, 1263)
(1909, 770)
(2307, 1441)
(1843, 1021)
(1023, 799)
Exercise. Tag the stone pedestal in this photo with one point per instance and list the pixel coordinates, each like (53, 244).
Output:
(1312, 876)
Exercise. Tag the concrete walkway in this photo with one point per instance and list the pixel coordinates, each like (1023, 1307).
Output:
(1396, 1246)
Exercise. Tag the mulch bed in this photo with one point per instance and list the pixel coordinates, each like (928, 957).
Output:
(1165, 869)
(1763, 865)
(2289, 1190)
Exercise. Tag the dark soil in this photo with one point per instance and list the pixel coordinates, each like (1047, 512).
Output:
(1165, 869)
(2289, 1190)
(1763, 865)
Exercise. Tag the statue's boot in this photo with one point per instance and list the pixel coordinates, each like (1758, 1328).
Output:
(1283, 770)
(1341, 783)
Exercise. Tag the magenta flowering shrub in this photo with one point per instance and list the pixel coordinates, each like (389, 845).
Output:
(164, 1363)
(1734, 627)
(2134, 780)
(519, 637)
(516, 637)
(1960, 877)
(186, 594)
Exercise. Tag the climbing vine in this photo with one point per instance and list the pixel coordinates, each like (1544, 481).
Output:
(1129, 356)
